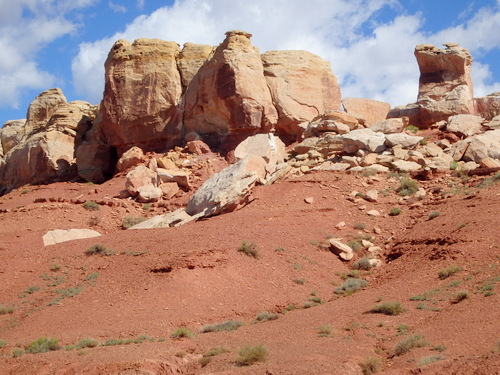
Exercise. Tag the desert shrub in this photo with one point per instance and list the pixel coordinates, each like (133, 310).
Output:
(371, 365)
(229, 325)
(449, 271)
(388, 308)
(407, 186)
(459, 296)
(130, 221)
(409, 343)
(351, 285)
(42, 345)
(434, 214)
(360, 226)
(324, 330)
(454, 165)
(91, 206)
(182, 332)
(412, 128)
(300, 281)
(265, 316)
(430, 359)
(32, 289)
(4, 309)
(248, 355)
(395, 211)
(17, 352)
(98, 249)
(86, 343)
(55, 267)
(362, 264)
(3, 343)
(249, 249)
(355, 245)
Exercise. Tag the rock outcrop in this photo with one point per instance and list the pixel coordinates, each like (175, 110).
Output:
(11, 134)
(229, 95)
(445, 86)
(191, 59)
(302, 87)
(368, 110)
(142, 91)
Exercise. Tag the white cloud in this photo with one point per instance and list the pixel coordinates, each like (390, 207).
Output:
(140, 4)
(117, 8)
(372, 59)
(26, 26)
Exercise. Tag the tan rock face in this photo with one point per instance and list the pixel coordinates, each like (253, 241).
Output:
(191, 59)
(488, 106)
(11, 134)
(445, 86)
(367, 109)
(142, 91)
(302, 87)
(229, 94)
(42, 108)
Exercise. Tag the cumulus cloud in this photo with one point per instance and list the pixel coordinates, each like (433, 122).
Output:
(117, 8)
(26, 26)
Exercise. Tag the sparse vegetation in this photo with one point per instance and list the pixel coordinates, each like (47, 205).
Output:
(407, 186)
(459, 296)
(17, 352)
(248, 355)
(265, 316)
(182, 332)
(249, 249)
(429, 359)
(409, 343)
(91, 206)
(98, 249)
(388, 308)
(229, 325)
(207, 357)
(32, 289)
(360, 226)
(371, 365)
(350, 286)
(86, 343)
(412, 128)
(449, 271)
(55, 267)
(130, 221)
(3, 343)
(362, 264)
(325, 330)
(42, 345)
(300, 281)
(434, 214)
(355, 245)
(279, 249)
(5, 309)
(395, 211)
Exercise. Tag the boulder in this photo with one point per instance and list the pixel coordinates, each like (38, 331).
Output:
(493, 124)
(389, 126)
(302, 87)
(487, 106)
(174, 175)
(130, 158)
(95, 161)
(172, 219)
(267, 146)
(59, 235)
(326, 145)
(169, 189)
(369, 110)
(335, 121)
(343, 251)
(406, 166)
(445, 86)
(363, 139)
(229, 95)
(191, 59)
(404, 140)
(465, 125)
(11, 134)
(198, 147)
(410, 111)
(148, 193)
(138, 177)
(482, 146)
(228, 189)
(141, 94)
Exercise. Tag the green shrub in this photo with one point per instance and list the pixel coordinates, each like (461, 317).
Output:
(130, 221)
(4, 309)
(325, 330)
(388, 308)
(86, 343)
(363, 264)
(412, 128)
(182, 332)
(395, 211)
(91, 206)
(98, 249)
(229, 325)
(55, 267)
(3, 343)
(407, 186)
(434, 214)
(248, 355)
(300, 281)
(449, 271)
(355, 245)
(454, 165)
(430, 359)
(249, 249)
(350, 286)
(371, 365)
(459, 296)
(42, 345)
(265, 316)
(409, 343)
(360, 226)
(17, 352)
(32, 289)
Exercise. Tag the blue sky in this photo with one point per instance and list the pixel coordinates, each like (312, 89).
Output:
(370, 43)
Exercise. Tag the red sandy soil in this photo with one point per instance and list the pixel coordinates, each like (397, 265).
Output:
(161, 279)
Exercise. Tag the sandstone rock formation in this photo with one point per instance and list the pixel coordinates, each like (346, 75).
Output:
(445, 86)
(56, 236)
(302, 87)
(11, 135)
(367, 109)
(42, 108)
(141, 94)
(488, 106)
(229, 94)
(191, 59)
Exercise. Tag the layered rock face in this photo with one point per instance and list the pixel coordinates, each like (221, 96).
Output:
(230, 94)
(191, 59)
(142, 90)
(302, 87)
(445, 86)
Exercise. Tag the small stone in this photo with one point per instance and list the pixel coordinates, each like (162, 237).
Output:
(304, 168)
(373, 213)
(309, 200)
(371, 196)
(340, 225)
(366, 244)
